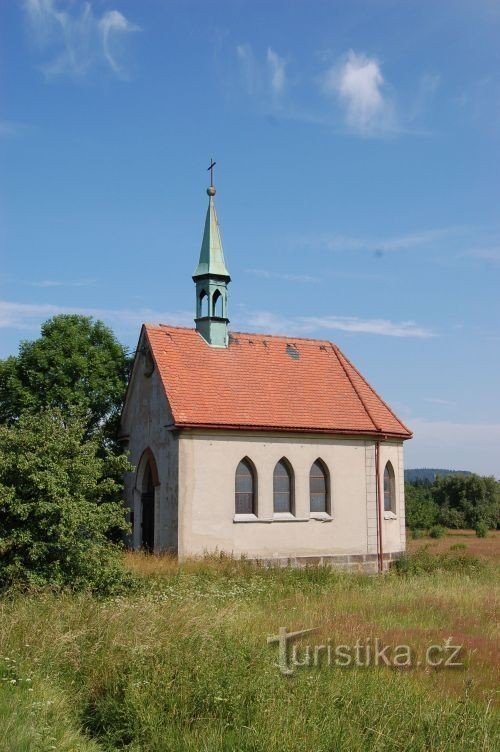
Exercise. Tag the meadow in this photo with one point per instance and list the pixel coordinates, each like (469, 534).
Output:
(183, 663)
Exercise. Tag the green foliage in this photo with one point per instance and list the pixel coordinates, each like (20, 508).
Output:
(425, 562)
(437, 531)
(481, 529)
(59, 502)
(455, 501)
(473, 497)
(76, 366)
(421, 510)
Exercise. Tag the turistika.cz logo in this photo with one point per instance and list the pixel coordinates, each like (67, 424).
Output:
(364, 653)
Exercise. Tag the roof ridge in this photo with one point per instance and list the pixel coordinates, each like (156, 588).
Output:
(375, 392)
(288, 337)
(337, 351)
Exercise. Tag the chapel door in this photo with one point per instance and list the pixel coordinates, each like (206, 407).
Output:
(148, 513)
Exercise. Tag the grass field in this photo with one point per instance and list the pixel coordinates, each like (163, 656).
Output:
(183, 663)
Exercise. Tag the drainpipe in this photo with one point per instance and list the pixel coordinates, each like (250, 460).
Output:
(380, 548)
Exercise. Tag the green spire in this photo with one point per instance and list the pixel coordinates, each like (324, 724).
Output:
(211, 279)
(211, 254)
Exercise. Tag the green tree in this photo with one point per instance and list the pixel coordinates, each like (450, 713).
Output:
(58, 505)
(466, 500)
(76, 366)
(421, 510)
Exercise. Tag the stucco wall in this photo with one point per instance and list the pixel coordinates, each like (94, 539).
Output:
(207, 464)
(145, 420)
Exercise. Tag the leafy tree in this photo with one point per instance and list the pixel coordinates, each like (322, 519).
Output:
(421, 510)
(76, 366)
(468, 500)
(58, 505)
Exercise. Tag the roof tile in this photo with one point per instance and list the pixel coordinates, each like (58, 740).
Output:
(257, 382)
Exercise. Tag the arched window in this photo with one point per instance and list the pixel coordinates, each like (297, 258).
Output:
(217, 304)
(204, 304)
(389, 489)
(319, 487)
(283, 487)
(245, 488)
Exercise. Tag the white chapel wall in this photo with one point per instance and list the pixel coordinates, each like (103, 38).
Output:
(207, 464)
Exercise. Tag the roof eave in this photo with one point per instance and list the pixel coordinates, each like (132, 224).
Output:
(381, 435)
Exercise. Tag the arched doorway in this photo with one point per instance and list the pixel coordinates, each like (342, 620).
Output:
(147, 483)
(148, 511)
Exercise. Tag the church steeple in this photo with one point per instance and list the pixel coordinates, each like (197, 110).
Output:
(211, 278)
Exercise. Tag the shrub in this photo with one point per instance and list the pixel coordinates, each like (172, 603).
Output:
(418, 533)
(425, 562)
(481, 529)
(437, 531)
(59, 503)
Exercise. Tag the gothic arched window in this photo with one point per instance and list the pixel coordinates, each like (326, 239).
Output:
(245, 495)
(389, 489)
(319, 487)
(283, 487)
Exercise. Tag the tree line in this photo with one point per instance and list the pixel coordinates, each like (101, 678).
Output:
(454, 501)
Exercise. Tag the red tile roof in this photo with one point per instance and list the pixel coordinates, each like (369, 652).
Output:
(271, 382)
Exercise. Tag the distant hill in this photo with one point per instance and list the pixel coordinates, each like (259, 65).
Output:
(430, 473)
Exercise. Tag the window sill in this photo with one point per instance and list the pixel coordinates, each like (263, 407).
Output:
(245, 518)
(278, 517)
(389, 516)
(321, 516)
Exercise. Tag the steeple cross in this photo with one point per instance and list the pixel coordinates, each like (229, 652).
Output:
(211, 168)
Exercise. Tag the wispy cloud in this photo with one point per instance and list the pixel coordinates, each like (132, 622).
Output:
(380, 245)
(359, 85)
(485, 254)
(350, 95)
(264, 78)
(276, 68)
(62, 283)
(29, 316)
(75, 38)
(8, 128)
(265, 274)
(439, 401)
(306, 325)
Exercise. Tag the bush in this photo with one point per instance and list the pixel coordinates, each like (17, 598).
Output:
(59, 503)
(425, 562)
(418, 533)
(481, 529)
(437, 531)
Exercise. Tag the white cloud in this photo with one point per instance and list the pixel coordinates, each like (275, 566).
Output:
(359, 85)
(77, 40)
(486, 254)
(62, 283)
(265, 274)
(439, 401)
(389, 244)
(456, 446)
(8, 128)
(308, 325)
(31, 315)
(368, 326)
(276, 67)
(264, 80)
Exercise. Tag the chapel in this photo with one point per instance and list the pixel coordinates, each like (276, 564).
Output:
(261, 446)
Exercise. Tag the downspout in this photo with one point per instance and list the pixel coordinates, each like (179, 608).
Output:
(380, 548)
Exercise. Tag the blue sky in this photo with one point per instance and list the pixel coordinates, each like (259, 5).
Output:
(357, 150)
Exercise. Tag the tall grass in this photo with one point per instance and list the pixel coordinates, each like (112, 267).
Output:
(183, 663)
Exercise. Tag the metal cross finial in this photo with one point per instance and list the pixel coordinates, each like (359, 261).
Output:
(211, 168)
